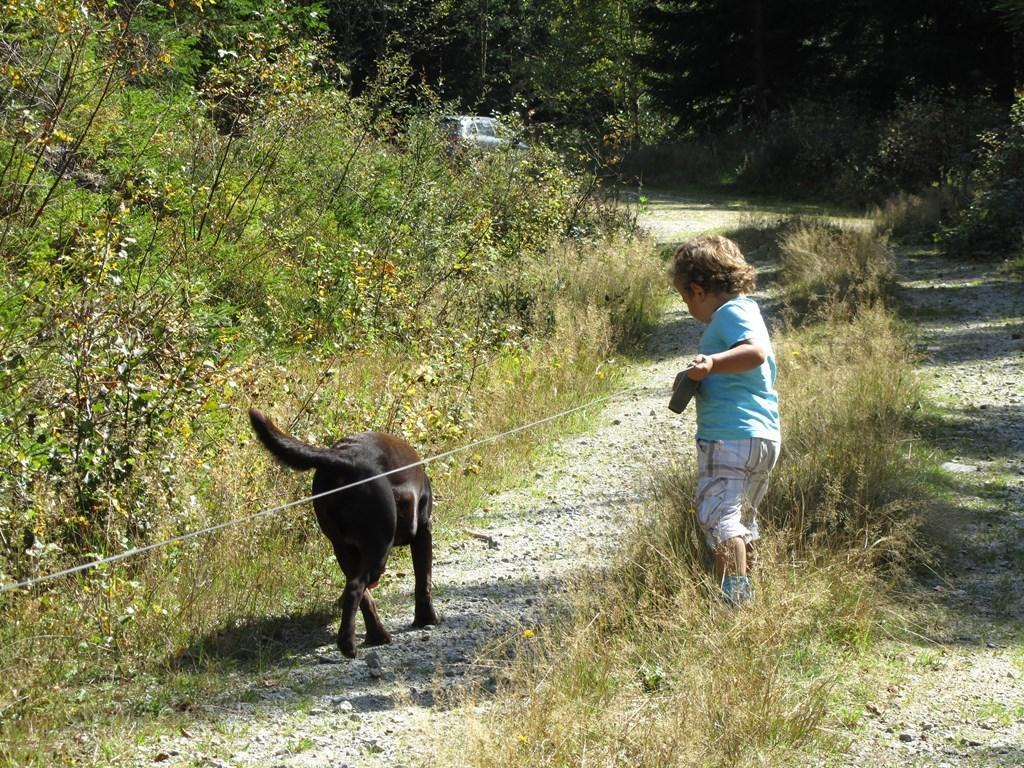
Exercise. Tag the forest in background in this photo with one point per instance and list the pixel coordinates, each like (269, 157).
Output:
(208, 205)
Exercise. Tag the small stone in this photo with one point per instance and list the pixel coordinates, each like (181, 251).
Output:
(957, 467)
(906, 737)
(490, 541)
(373, 664)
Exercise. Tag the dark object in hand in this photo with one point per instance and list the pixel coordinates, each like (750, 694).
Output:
(683, 391)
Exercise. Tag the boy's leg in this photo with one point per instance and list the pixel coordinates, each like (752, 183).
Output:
(732, 480)
(720, 502)
(731, 558)
(763, 457)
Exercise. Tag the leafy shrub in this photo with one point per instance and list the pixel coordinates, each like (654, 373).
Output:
(164, 239)
(931, 139)
(688, 164)
(992, 224)
(844, 152)
(813, 150)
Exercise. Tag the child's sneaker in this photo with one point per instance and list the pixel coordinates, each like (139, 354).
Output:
(736, 590)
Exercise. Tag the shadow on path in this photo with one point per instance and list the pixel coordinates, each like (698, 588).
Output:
(974, 524)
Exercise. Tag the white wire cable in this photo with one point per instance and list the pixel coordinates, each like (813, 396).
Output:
(274, 510)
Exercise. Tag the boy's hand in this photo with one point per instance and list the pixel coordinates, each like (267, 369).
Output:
(701, 366)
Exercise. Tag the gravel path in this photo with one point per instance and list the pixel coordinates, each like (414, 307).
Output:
(494, 580)
(958, 695)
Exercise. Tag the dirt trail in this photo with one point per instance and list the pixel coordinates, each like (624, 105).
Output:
(955, 696)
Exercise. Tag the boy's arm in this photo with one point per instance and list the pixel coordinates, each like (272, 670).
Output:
(741, 357)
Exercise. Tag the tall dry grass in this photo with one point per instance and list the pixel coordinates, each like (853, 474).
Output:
(649, 669)
(849, 394)
(917, 217)
(652, 673)
(830, 270)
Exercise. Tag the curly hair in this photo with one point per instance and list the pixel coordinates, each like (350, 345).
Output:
(713, 262)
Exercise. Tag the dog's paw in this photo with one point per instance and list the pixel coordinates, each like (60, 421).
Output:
(378, 638)
(347, 646)
(423, 618)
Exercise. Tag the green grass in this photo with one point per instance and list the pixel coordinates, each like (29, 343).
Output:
(756, 205)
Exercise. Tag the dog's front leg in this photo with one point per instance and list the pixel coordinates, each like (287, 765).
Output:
(422, 547)
(351, 598)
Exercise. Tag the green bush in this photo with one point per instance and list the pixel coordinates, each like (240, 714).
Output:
(992, 225)
(811, 151)
(163, 240)
(931, 139)
(845, 152)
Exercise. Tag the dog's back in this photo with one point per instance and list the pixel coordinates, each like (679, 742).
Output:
(368, 449)
(291, 452)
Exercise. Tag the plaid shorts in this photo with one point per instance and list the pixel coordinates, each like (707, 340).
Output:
(732, 480)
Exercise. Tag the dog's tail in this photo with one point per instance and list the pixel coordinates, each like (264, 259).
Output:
(289, 451)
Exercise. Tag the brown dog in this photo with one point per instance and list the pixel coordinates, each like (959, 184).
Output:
(363, 523)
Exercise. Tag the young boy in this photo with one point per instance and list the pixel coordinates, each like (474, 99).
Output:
(738, 431)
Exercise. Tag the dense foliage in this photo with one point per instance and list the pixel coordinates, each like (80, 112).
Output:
(722, 61)
(992, 223)
(855, 102)
(161, 239)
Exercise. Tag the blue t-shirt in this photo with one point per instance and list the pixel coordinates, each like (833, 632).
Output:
(737, 406)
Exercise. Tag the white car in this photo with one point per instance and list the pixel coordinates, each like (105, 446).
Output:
(475, 129)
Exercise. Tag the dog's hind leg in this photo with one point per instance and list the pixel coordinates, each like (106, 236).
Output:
(351, 598)
(422, 548)
(375, 632)
(356, 594)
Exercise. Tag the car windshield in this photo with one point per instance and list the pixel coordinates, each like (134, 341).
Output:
(485, 127)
